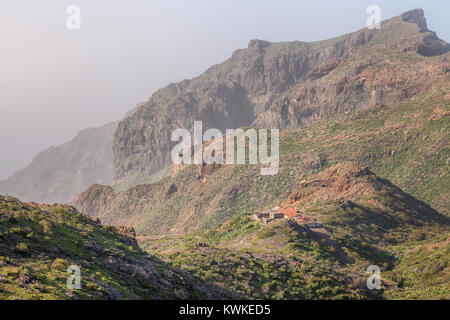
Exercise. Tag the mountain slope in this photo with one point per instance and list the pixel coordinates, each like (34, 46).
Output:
(39, 242)
(369, 163)
(58, 174)
(423, 270)
(283, 85)
(366, 221)
(406, 143)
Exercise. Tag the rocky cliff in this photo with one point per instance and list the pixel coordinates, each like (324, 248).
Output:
(282, 85)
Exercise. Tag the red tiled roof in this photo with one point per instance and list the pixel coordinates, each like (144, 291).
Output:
(289, 212)
(292, 213)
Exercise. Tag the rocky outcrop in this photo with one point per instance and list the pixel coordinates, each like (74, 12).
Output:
(416, 16)
(282, 85)
(346, 180)
(431, 44)
(60, 173)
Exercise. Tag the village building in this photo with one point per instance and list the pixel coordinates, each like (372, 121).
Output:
(267, 220)
(276, 213)
(268, 216)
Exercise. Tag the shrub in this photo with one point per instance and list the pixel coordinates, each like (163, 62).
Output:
(60, 264)
(46, 227)
(21, 248)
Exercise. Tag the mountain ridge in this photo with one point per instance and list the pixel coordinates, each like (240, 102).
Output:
(138, 160)
(363, 182)
(280, 85)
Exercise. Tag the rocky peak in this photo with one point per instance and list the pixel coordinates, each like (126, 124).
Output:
(416, 16)
(282, 85)
(258, 44)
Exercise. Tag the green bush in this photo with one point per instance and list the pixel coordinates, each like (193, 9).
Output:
(60, 264)
(22, 248)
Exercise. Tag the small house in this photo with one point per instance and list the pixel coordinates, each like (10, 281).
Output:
(276, 215)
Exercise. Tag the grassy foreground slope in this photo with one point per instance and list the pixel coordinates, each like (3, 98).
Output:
(39, 242)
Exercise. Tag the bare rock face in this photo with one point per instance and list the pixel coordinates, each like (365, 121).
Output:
(142, 142)
(60, 173)
(431, 45)
(416, 16)
(347, 180)
(282, 85)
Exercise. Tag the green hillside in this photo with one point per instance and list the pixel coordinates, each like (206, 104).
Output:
(289, 260)
(39, 242)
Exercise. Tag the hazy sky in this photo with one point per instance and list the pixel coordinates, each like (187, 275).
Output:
(55, 82)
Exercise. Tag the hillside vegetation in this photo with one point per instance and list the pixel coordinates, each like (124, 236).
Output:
(367, 221)
(364, 161)
(39, 242)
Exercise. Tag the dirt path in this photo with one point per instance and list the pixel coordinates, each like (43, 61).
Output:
(321, 233)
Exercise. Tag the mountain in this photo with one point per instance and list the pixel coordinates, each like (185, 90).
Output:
(363, 182)
(58, 174)
(405, 142)
(39, 242)
(283, 85)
